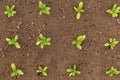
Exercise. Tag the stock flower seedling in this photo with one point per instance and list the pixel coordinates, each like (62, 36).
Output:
(13, 41)
(41, 70)
(43, 8)
(15, 71)
(112, 43)
(79, 10)
(112, 71)
(114, 11)
(79, 41)
(43, 41)
(73, 71)
(10, 11)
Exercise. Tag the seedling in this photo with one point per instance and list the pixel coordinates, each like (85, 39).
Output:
(114, 11)
(10, 11)
(43, 41)
(73, 71)
(79, 10)
(43, 8)
(79, 41)
(15, 71)
(41, 70)
(13, 41)
(112, 43)
(113, 71)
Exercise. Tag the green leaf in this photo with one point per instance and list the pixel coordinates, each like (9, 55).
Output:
(48, 39)
(77, 72)
(8, 39)
(45, 68)
(106, 44)
(40, 4)
(48, 43)
(38, 42)
(17, 45)
(20, 72)
(42, 45)
(114, 6)
(14, 74)
(13, 66)
(74, 67)
(81, 5)
(82, 10)
(72, 74)
(16, 38)
(78, 16)
(74, 42)
(44, 73)
(69, 70)
(12, 7)
(81, 38)
(75, 9)
(79, 46)
(114, 15)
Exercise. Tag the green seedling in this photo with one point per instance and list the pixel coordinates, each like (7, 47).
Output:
(113, 71)
(114, 11)
(15, 71)
(42, 71)
(73, 71)
(43, 8)
(112, 43)
(43, 41)
(13, 41)
(79, 10)
(79, 41)
(10, 11)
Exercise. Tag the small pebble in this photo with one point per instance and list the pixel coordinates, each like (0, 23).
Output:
(118, 21)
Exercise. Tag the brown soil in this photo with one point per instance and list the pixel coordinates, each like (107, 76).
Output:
(62, 27)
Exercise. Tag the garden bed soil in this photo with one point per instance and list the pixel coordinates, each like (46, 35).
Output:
(61, 25)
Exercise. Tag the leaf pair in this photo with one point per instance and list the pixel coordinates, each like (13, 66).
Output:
(15, 71)
(112, 43)
(79, 41)
(13, 41)
(113, 71)
(43, 41)
(73, 71)
(42, 70)
(79, 10)
(114, 11)
(10, 11)
(43, 8)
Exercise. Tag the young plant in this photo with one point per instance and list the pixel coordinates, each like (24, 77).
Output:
(114, 11)
(43, 8)
(112, 43)
(15, 71)
(43, 41)
(112, 71)
(13, 41)
(79, 10)
(79, 41)
(10, 11)
(73, 71)
(41, 70)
